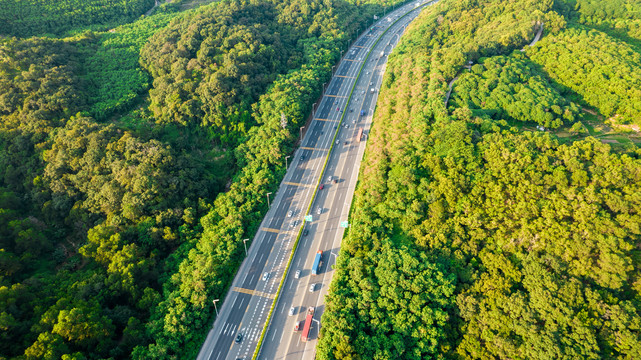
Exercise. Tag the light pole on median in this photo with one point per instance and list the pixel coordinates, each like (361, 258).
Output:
(215, 307)
(268, 199)
(245, 241)
(286, 157)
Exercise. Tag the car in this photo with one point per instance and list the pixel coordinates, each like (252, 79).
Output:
(351, 110)
(265, 276)
(292, 310)
(297, 274)
(299, 325)
(346, 142)
(305, 232)
(321, 187)
(292, 224)
(302, 157)
(337, 141)
(290, 213)
(335, 181)
(363, 92)
(367, 72)
(312, 287)
(337, 109)
(239, 338)
(319, 210)
(329, 179)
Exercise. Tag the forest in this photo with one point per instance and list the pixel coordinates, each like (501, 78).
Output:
(473, 235)
(36, 17)
(135, 160)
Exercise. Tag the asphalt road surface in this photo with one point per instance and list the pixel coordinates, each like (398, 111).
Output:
(245, 307)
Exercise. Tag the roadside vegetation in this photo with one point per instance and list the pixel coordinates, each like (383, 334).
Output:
(473, 233)
(128, 183)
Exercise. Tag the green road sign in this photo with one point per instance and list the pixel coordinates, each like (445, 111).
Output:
(309, 218)
(345, 224)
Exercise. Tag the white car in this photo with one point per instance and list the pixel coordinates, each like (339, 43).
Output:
(329, 179)
(290, 213)
(292, 310)
(319, 211)
(297, 274)
(265, 276)
(312, 287)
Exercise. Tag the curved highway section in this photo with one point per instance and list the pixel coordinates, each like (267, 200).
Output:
(331, 139)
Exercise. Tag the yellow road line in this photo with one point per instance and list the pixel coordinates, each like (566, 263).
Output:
(360, 47)
(337, 96)
(346, 77)
(254, 292)
(325, 120)
(244, 291)
(270, 230)
(296, 184)
(350, 60)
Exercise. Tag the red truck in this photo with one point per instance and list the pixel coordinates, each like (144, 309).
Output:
(308, 324)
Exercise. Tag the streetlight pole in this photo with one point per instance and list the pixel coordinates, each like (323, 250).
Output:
(216, 307)
(286, 157)
(268, 199)
(245, 243)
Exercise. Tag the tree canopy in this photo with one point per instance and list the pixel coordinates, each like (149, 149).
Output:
(471, 237)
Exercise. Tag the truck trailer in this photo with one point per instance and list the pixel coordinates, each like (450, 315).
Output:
(308, 324)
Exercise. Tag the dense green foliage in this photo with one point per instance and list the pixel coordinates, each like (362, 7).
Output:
(117, 226)
(513, 88)
(606, 72)
(470, 239)
(618, 17)
(209, 68)
(36, 17)
(113, 69)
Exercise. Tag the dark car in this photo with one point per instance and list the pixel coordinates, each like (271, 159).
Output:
(239, 338)
(302, 157)
(305, 232)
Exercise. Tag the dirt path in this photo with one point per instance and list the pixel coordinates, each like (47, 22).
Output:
(152, 9)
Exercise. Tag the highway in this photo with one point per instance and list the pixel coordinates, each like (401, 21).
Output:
(243, 313)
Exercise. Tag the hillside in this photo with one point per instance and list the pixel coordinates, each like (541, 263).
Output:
(135, 160)
(475, 234)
